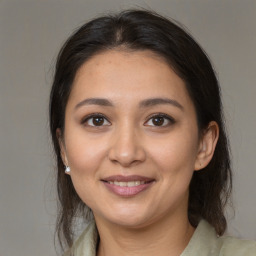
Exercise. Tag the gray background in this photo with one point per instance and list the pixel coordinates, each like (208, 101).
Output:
(31, 33)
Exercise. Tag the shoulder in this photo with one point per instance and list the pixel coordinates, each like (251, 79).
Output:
(205, 242)
(237, 247)
(86, 243)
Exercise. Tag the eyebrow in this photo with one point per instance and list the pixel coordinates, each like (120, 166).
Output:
(143, 104)
(160, 101)
(95, 101)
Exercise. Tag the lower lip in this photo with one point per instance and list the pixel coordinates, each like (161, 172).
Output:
(127, 191)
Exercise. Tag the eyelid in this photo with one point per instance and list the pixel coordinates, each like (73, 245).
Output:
(86, 118)
(169, 118)
(163, 115)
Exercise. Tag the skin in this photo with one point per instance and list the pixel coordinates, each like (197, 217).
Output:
(130, 142)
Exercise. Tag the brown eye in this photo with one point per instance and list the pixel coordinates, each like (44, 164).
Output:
(160, 120)
(96, 120)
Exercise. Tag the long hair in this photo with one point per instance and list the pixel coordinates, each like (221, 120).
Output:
(144, 30)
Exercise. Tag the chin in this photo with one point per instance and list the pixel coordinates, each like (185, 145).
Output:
(128, 218)
(132, 223)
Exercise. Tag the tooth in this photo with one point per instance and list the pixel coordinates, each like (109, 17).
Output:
(131, 183)
(127, 184)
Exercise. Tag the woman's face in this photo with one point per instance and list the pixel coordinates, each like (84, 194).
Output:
(131, 138)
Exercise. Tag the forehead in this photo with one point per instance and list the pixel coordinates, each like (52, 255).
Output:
(128, 76)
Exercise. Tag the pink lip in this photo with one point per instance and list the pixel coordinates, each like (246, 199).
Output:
(121, 178)
(127, 191)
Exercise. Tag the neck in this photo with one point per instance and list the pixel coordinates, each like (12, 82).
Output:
(166, 237)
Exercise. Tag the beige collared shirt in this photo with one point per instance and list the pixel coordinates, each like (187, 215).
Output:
(204, 242)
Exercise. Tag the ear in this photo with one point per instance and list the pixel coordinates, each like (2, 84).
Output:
(207, 145)
(62, 147)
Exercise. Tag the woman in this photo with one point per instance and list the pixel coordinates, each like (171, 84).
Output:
(136, 122)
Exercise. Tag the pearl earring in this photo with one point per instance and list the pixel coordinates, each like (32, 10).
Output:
(67, 169)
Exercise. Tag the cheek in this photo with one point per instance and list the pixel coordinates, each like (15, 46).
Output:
(176, 154)
(84, 154)
(86, 157)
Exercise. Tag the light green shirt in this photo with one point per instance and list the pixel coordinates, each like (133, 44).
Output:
(204, 242)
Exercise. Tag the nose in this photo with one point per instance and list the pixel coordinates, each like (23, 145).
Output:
(127, 147)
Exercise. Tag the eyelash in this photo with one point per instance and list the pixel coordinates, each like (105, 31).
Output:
(84, 120)
(161, 115)
(170, 119)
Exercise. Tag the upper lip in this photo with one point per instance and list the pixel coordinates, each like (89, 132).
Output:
(121, 178)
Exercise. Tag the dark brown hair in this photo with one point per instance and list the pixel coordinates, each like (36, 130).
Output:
(144, 30)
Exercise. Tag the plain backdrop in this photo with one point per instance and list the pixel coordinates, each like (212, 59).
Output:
(31, 33)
